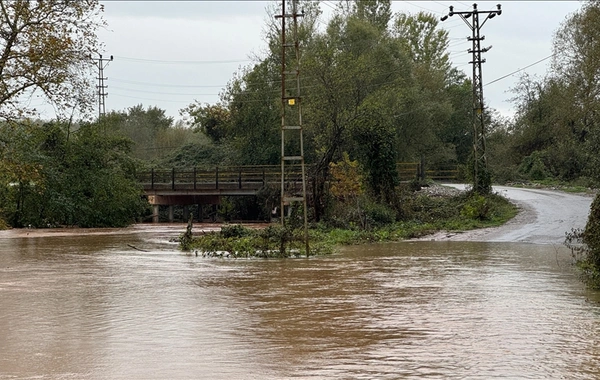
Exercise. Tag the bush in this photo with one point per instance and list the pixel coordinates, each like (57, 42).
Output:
(378, 215)
(429, 209)
(235, 231)
(477, 207)
(533, 166)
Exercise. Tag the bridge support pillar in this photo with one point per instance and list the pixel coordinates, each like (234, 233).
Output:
(155, 213)
(171, 217)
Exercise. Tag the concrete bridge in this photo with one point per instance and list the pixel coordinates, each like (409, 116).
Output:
(193, 186)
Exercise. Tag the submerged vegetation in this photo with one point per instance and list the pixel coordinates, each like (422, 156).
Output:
(378, 88)
(423, 215)
(585, 246)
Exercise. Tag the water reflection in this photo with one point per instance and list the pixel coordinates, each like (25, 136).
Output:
(92, 307)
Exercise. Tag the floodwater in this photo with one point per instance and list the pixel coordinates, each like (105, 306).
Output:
(128, 305)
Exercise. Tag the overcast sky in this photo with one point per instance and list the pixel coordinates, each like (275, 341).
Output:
(170, 53)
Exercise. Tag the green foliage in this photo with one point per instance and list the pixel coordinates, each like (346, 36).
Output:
(225, 210)
(427, 209)
(424, 42)
(278, 241)
(212, 120)
(378, 215)
(477, 207)
(186, 239)
(378, 150)
(534, 167)
(585, 246)
(44, 45)
(201, 154)
(240, 241)
(556, 130)
(379, 90)
(591, 234)
(50, 175)
(234, 231)
(154, 135)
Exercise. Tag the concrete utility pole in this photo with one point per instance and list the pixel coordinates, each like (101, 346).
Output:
(291, 121)
(101, 63)
(482, 182)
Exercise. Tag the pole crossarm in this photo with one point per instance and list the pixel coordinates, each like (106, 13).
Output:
(481, 176)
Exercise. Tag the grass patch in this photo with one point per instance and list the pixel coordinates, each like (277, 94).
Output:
(429, 215)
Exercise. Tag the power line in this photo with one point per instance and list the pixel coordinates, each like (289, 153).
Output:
(327, 3)
(418, 6)
(164, 84)
(153, 100)
(160, 92)
(161, 61)
(516, 71)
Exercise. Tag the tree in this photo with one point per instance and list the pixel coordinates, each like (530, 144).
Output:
(353, 63)
(432, 104)
(378, 150)
(49, 176)
(557, 124)
(153, 133)
(577, 63)
(423, 41)
(376, 12)
(44, 51)
(253, 97)
(212, 120)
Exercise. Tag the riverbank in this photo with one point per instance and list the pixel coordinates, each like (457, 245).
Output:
(433, 209)
(543, 217)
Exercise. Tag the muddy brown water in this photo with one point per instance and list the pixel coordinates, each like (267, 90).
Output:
(88, 306)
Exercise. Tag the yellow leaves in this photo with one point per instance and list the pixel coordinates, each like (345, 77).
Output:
(347, 180)
(42, 44)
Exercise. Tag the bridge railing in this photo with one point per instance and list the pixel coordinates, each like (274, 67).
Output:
(218, 178)
(254, 177)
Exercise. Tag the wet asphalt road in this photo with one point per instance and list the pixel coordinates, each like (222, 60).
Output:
(545, 217)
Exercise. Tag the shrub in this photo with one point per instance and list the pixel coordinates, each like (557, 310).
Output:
(378, 215)
(477, 207)
(235, 231)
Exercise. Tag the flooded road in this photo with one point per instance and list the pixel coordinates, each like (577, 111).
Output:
(544, 217)
(92, 307)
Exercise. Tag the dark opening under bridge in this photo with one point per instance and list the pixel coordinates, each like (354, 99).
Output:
(194, 186)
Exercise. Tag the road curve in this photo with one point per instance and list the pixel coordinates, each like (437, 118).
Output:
(544, 218)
